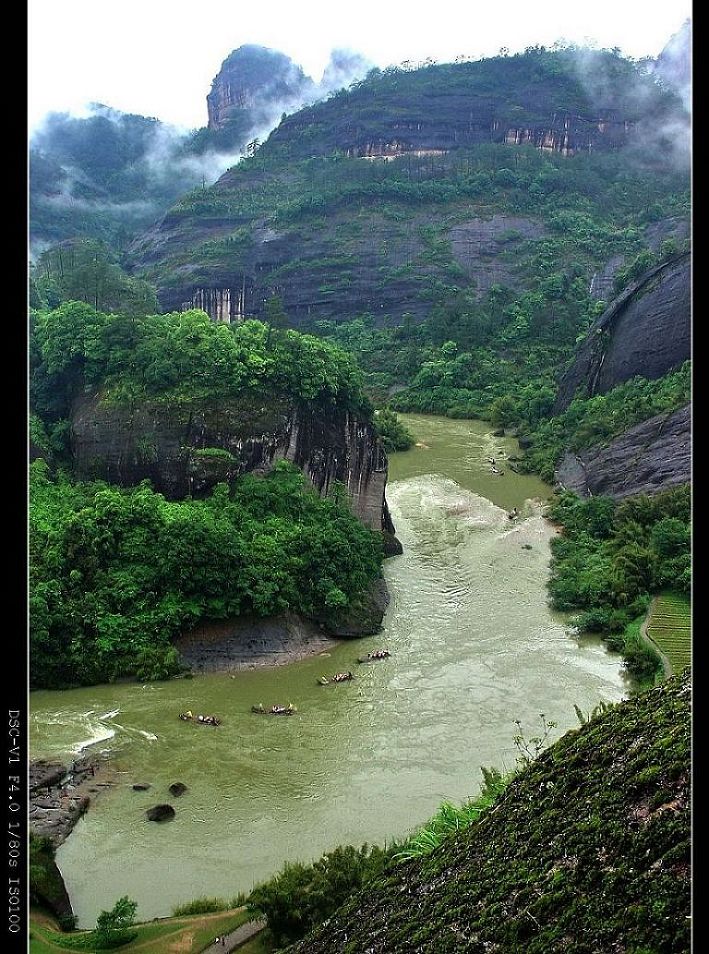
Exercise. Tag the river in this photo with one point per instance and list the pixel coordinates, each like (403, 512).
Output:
(474, 647)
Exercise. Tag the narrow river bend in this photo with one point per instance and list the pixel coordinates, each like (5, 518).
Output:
(474, 647)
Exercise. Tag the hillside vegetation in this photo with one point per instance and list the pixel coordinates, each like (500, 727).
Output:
(116, 574)
(586, 851)
(467, 266)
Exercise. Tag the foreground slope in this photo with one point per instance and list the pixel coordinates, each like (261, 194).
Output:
(587, 851)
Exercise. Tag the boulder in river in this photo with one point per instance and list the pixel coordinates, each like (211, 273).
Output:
(160, 813)
(177, 789)
(141, 786)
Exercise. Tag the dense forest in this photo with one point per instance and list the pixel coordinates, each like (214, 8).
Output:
(118, 573)
(612, 555)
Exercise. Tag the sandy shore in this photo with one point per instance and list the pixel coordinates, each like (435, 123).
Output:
(252, 643)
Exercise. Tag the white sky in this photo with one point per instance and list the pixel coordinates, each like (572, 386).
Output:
(158, 57)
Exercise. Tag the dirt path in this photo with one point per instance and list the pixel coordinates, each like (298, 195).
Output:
(647, 638)
(238, 937)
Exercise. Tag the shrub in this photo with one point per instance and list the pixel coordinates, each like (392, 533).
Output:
(201, 906)
(394, 435)
(301, 896)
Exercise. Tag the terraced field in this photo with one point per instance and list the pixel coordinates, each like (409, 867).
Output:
(670, 628)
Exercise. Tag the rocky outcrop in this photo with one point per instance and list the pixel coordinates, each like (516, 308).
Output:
(252, 81)
(160, 813)
(364, 617)
(60, 794)
(645, 331)
(646, 459)
(184, 450)
(256, 642)
(251, 643)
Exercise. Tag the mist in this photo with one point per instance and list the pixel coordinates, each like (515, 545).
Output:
(659, 102)
(121, 170)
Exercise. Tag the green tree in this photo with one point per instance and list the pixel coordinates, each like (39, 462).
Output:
(113, 927)
(503, 411)
(395, 436)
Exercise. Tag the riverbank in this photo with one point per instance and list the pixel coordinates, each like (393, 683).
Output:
(252, 642)
(243, 643)
(174, 935)
(61, 793)
(474, 647)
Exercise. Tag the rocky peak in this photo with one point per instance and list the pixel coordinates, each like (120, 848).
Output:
(254, 79)
(674, 64)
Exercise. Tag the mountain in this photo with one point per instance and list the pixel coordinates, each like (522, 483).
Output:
(107, 175)
(251, 82)
(588, 850)
(466, 230)
(110, 174)
(385, 197)
(674, 64)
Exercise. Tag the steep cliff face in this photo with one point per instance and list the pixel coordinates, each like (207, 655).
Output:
(187, 450)
(252, 82)
(647, 458)
(645, 331)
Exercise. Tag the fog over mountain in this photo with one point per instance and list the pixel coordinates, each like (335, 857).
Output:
(107, 174)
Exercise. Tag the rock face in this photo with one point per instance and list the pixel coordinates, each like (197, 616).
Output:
(184, 450)
(250, 643)
(645, 331)
(251, 82)
(647, 458)
(58, 796)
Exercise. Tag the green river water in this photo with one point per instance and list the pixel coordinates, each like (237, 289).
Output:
(474, 647)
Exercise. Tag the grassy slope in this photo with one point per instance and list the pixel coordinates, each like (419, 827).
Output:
(263, 943)
(670, 628)
(182, 935)
(587, 851)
